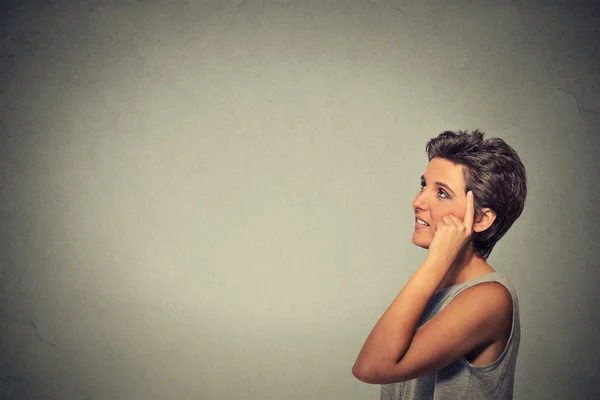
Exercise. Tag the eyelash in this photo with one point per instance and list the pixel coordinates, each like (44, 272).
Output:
(442, 191)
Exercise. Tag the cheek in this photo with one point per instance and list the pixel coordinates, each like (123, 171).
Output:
(442, 210)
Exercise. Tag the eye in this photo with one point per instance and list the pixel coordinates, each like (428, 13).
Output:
(441, 193)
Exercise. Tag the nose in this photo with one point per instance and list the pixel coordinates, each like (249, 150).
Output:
(419, 201)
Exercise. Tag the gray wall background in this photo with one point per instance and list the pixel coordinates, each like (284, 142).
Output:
(212, 199)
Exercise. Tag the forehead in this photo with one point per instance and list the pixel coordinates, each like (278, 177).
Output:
(442, 170)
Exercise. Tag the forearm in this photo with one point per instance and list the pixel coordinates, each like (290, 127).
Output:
(391, 337)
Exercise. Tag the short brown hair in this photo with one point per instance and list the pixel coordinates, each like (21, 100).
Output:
(495, 174)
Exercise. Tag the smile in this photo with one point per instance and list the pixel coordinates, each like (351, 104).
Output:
(421, 222)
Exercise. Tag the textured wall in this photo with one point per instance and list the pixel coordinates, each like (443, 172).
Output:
(212, 199)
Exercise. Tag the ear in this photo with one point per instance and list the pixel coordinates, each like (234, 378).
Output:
(485, 219)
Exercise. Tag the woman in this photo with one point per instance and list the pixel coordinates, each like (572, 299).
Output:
(453, 331)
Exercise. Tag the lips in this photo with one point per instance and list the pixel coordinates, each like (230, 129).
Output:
(417, 218)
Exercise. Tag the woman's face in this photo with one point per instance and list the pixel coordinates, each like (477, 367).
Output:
(443, 192)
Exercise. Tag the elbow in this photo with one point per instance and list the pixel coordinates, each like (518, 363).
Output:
(365, 373)
(381, 374)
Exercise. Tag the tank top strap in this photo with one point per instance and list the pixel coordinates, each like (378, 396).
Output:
(446, 295)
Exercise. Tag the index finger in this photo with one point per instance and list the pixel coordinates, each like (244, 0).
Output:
(470, 213)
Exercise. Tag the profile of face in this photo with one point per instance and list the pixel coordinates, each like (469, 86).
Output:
(443, 192)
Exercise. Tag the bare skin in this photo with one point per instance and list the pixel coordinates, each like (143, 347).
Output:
(477, 322)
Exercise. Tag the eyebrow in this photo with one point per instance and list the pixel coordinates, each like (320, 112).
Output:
(442, 184)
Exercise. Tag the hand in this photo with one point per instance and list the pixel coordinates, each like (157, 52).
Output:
(452, 234)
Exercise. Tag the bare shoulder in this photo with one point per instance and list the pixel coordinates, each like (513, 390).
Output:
(492, 300)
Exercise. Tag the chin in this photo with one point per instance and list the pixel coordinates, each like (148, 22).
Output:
(420, 241)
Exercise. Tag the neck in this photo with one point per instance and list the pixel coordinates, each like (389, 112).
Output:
(468, 265)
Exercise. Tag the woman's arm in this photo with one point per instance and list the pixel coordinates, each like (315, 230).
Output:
(394, 352)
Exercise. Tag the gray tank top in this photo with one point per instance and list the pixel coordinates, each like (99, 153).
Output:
(461, 380)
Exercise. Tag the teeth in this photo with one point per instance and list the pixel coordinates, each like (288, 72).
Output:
(421, 222)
